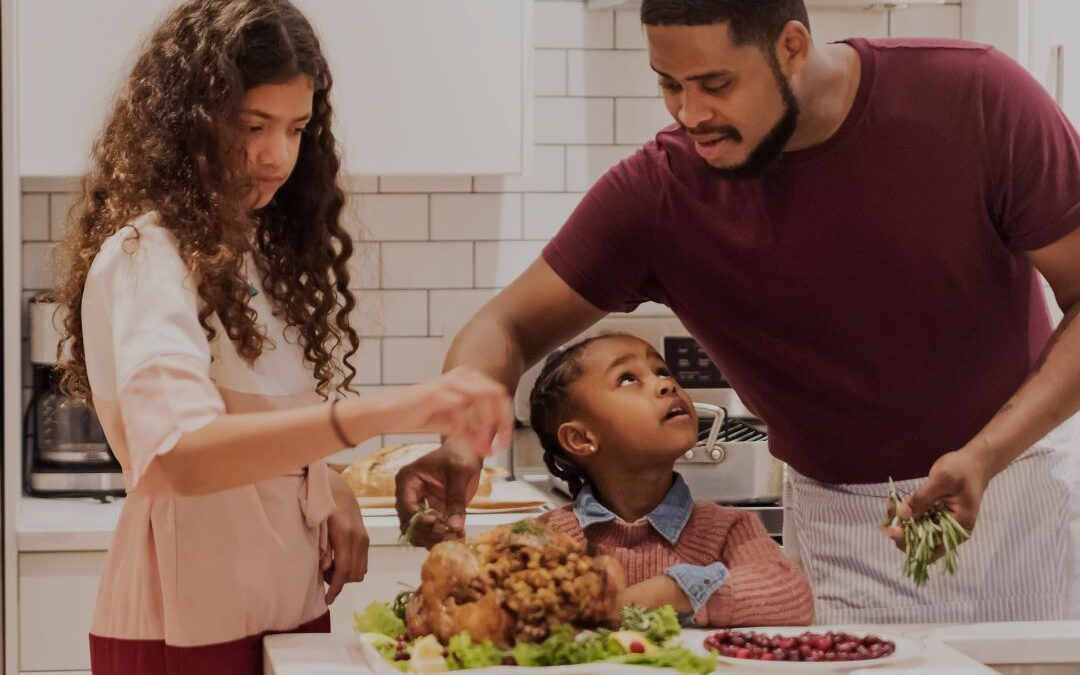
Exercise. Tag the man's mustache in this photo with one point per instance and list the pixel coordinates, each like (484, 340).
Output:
(707, 130)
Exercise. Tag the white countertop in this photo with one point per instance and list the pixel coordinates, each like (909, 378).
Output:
(952, 650)
(88, 524)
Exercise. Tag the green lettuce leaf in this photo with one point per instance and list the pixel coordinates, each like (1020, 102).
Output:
(679, 658)
(659, 625)
(464, 653)
(377, 617)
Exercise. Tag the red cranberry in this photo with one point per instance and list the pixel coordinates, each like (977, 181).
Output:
(822, 643)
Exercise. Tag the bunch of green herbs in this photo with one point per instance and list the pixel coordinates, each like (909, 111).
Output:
(935, 529)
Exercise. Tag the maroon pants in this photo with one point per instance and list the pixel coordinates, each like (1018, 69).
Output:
(113, 656)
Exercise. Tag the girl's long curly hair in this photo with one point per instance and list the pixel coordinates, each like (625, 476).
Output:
(171, 144)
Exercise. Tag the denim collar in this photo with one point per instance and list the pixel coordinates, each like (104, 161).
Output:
(668, 518)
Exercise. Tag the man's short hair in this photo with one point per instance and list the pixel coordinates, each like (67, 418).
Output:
(757, 22)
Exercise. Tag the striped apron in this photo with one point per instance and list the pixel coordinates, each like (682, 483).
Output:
(1022, 562)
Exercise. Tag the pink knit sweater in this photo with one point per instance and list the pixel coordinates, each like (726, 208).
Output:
(764, 588)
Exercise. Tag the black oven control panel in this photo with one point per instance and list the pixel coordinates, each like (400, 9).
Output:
(691, 366)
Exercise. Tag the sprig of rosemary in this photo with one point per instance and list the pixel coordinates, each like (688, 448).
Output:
(922, 536)
(400, 601)
(407, 530)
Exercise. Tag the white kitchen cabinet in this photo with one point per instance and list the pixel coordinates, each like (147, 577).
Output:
(1041, 35)
(57, 592)
(429, 86)
(422, 87)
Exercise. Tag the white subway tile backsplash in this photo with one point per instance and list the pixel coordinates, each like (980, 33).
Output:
(638, 119)
(499, 263)
(364, 266)
(586, 163)
(59, 207)
(570, 25)
(476, 217)
(389, 217)
(392, 313)
(412, 360)
(368, 362)
(574, 120)
(450, 310)
(425, 184)
(610, 73)
(545, 214)
(360, 183)
(548, 174)
(35, 217)
(37, 266)
(549, 72)
(427, 265)
(628, 33)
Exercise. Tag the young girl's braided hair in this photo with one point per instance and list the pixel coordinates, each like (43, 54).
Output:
(550, 405)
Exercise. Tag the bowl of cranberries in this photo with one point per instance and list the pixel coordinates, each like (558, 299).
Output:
(800, 649)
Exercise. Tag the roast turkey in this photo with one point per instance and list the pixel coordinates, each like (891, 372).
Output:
(512, 584)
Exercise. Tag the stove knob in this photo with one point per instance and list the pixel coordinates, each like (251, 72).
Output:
(715, 454)
(689, 454)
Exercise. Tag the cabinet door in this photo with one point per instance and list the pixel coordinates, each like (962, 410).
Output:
(940, 21)
(429, 86)
(420, 86)
(68, 72)
(1054, 57)
(57, 592)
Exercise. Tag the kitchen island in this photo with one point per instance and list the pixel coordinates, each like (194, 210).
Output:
(1031, 648)
(61, 555)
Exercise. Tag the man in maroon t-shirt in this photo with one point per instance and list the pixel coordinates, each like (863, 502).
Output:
(853, 232)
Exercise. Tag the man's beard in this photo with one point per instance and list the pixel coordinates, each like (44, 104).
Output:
(765, 156)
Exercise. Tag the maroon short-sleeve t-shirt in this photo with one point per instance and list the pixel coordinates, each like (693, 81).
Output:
(870, 298)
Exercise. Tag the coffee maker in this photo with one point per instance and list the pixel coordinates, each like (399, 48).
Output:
(65, 453)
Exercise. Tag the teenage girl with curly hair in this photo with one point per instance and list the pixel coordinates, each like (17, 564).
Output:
(208, 321)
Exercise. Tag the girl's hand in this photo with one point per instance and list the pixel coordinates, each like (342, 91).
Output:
(462, 403)
(656, 592)
(346, 557)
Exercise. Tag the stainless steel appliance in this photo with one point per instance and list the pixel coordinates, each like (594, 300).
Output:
(65, 453)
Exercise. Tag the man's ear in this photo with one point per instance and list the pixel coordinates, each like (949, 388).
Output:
(793, 47)
(576, 439)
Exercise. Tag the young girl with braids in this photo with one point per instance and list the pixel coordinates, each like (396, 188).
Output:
(612, 421)
(208, 317)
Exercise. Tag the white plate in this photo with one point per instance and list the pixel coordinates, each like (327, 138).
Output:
(380, 666)
(906, 648)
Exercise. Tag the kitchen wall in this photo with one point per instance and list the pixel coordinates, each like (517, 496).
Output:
(439, 247)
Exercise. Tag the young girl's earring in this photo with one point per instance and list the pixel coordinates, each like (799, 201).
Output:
(592, 448)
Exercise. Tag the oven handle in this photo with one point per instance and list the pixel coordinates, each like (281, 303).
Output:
(719, 416)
